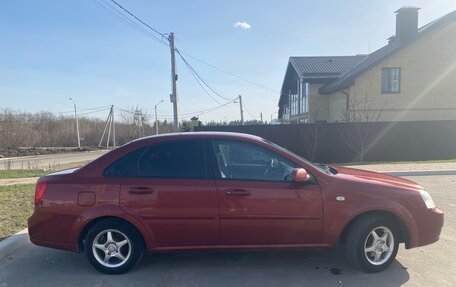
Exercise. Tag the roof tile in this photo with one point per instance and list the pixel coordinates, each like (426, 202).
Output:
(324, 67)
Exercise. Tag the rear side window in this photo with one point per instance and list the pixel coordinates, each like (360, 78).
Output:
(181, 159)
(121, 166)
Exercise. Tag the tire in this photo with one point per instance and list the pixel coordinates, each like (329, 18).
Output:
(113, 246)
(371, 252)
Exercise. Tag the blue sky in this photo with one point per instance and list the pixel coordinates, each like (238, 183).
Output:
(52, 50)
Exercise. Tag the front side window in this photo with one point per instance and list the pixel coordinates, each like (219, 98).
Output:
(243, 161)
(180, 159)
(391, 80)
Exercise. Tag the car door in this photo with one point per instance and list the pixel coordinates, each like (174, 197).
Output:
(259, 204)
(171, 189)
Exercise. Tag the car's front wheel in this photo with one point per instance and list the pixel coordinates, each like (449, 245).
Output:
(113, 246)
(372, 243)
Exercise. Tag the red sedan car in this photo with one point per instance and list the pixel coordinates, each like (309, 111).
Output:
(226, 190)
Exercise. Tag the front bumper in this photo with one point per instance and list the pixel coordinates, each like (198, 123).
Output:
(429, 226)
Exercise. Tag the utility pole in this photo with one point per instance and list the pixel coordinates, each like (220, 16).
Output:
(113, 127)
(77, 123)
(143, 122)
(272, 117)
(156, 117)
(174, 98)
(105, 128)
(261, 117)
(242, 111)
(109, 126)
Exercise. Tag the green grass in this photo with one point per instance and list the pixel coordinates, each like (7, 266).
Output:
(20, 173)
(16, 205)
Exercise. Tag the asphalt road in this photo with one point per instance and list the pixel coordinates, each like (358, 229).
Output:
(53, 161)
(433, 265)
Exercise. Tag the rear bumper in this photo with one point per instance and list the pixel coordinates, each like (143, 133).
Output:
(54, 231)
(429, 226)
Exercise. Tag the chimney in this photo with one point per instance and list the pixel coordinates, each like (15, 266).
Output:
(406, 23)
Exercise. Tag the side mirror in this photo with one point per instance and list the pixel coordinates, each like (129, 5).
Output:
(299, 175)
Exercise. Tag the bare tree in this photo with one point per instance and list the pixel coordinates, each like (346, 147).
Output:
(45, 129)
(364, 112)
(310, 135)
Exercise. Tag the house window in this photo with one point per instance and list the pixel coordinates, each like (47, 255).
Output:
(294, 104)
(304, 98)
(391, 80)
(286, 113)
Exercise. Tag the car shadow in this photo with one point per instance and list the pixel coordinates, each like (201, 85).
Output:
(49, 267)
(266, 268)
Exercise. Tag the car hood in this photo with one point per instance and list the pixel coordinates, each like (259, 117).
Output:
(378, 177)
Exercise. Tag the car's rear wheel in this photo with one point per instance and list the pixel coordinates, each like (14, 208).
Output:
(113, 246)
(372, 243)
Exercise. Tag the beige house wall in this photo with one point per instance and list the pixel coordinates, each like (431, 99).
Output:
(330, 108)
(337, 107)
(428, 83)
(318, 104)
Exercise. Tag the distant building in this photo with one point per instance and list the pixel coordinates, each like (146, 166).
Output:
(412, 78)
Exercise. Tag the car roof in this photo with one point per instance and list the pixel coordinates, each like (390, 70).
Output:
(184, 135)
(212, 134)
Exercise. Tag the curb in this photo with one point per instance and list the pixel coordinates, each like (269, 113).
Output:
(421, 172)
(10, 245)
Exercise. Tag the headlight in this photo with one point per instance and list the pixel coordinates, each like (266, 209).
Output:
(427, 199)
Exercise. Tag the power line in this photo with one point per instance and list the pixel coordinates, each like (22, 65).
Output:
(187, 54)
(245, 108)
(82, 110)
(188, 114)
(231, 73)
(141, 21)
(207, 110)
(116, 13)
(35, 118)
(93, 112)
(200, 81)
(131, 112)
(200, 84)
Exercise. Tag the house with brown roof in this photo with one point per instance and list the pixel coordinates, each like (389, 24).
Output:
(411, 78)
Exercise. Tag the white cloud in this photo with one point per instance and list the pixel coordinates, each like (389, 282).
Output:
(242, 25)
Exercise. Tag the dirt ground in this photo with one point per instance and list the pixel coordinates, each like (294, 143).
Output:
(13, 181)
(30, 151)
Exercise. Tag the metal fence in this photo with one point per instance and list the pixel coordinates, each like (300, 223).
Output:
(358, 142)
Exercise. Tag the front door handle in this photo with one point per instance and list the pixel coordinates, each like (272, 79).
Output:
(140, 190)
(237, 192)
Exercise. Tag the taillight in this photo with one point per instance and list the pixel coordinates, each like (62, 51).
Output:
(39, 190)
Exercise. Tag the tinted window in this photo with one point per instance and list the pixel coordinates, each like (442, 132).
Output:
(183, 159)
(238, 160)
(120, 167)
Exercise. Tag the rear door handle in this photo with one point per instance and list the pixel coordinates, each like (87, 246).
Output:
(237, 192)
(140, 190)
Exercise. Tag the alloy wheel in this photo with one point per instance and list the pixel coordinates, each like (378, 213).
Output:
(111, 248)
